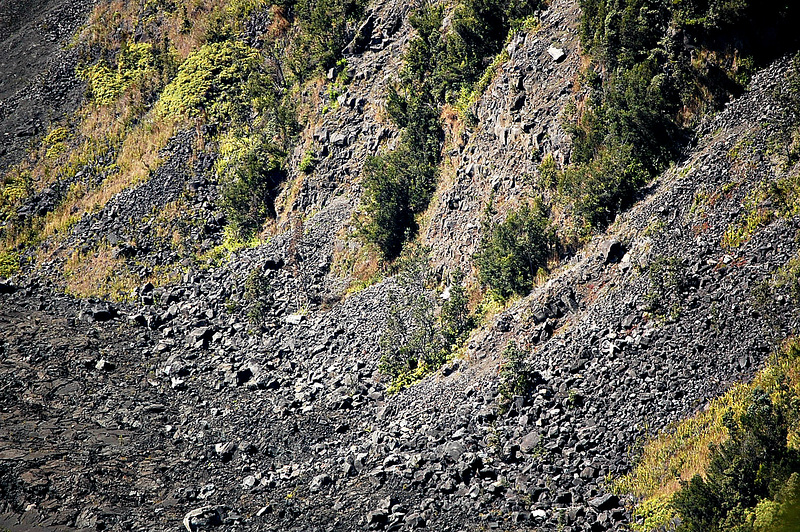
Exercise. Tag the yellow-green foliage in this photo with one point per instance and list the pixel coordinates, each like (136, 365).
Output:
(408, 377)
(213, 80)
(470, 95)
(106, 83)
(786, 194)
(755, 215)
(234, 146)
(58, 134)
(9, 264)
(787, 279)
(682, 450)
(14, 185)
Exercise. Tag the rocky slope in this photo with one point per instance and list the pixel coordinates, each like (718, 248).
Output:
(182, 410)
(37, 69)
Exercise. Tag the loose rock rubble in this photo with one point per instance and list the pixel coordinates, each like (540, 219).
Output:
(202, 406)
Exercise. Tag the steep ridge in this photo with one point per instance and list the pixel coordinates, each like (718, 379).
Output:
(518, 124)
(248, 397)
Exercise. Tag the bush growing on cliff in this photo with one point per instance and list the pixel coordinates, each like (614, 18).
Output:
(753, 480)
(250, 168)
(438, 66)
(512, 252)
(415, 341)
(517, 378)
(218, 81)
(325, 28)
(411, 342)
(398, 185)
(664, 64)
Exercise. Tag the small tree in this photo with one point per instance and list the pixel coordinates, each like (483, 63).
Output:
(411, 337)
(512, 252)
(516, 375)
(414, 341)
(455, 318)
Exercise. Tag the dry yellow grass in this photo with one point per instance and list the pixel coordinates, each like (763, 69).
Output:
(139, 155)
(100, 274)
(683, 450)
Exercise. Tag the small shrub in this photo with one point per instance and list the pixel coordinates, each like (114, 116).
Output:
(512, 253)
(411, 338)
(456, 322)
(136, 62)
(250, 169)
(668, 279)
(217, 80)
(307, 163)
(414, 343)
(9, 264)
(516, 375)
(257, 293)
(548, 172)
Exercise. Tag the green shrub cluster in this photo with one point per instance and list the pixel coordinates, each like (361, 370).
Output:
(416, 341)
(257, 293)
(324, 28)
(663, 64)
(753, 481)
(398, 185)
(218, 81)
(9, 264)
(517, 378)
(512, 252)
(453, 61)
(668, 280)
(250, 169)
(140, 64)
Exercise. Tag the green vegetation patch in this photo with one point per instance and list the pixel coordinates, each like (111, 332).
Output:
(512, 253)
(9, 264)
(250, 168)
(440, 66)
(416, 341)
(213, 81)
(644, 90)
(731, 467)
(517, 378)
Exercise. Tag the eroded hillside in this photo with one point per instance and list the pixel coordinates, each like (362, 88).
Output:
(199, 331)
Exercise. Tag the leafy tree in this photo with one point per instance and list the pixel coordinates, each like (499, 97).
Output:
(250, 169)
(456, 322)
(414, 341)
(516, 375)
(755, 464)
(411, 337)
(512, 252)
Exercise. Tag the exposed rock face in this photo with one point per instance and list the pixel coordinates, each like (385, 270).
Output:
(191, 407)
